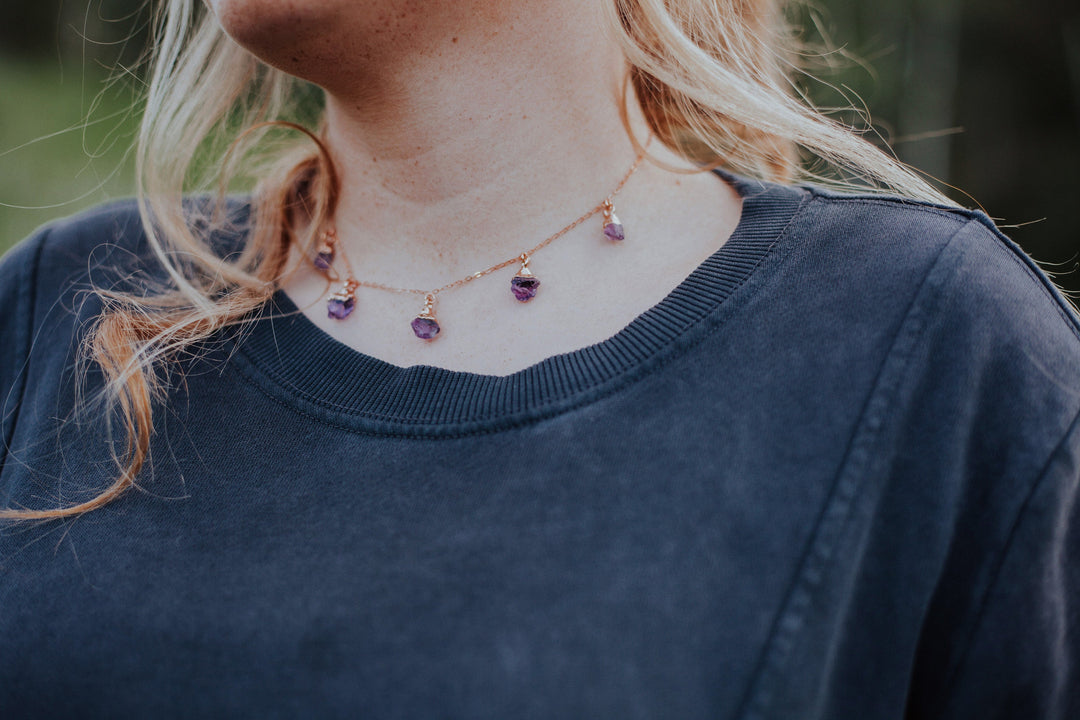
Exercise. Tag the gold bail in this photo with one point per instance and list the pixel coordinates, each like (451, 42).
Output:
(609, 209)
(524, 271)
(429, 305)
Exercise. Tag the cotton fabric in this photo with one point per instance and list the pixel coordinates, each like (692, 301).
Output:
(832, 475)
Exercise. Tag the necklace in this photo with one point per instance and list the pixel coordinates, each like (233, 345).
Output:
(524, 285)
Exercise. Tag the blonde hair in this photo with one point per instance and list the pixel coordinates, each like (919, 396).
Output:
(714, 79)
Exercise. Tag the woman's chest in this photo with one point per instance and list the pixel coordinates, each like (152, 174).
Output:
(557, 572)
(646, 553)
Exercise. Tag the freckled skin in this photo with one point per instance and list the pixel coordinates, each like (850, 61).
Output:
(330, 42)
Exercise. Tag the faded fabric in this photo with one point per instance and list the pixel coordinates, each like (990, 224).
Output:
(832, 475)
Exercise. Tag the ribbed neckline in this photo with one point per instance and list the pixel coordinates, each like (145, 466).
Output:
(297, 363)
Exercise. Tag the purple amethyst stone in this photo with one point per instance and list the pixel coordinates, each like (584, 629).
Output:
(524, 287)
(425, 328)
(614, 231)
(323, 260)
(340, 308)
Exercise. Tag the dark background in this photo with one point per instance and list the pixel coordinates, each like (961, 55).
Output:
(981, 94)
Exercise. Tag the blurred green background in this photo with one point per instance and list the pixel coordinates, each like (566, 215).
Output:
(983, 95)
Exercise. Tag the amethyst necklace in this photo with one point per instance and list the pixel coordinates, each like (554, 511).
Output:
(523, 285)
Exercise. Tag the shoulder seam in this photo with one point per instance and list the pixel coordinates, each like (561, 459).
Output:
(959, 214)
(966, 217)
(849, 482)
(1028, 266)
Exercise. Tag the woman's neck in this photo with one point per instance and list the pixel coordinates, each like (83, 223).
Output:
(466, 132)
(493, 139)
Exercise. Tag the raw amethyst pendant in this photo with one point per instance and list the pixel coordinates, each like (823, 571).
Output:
(424, 325)
(341, 304)
(524, 285)
(324, 259)
(425, 328)
(340, 308)
(613, 229)
(324, 253)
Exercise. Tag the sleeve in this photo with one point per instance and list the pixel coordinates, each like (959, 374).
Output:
(1001, 637)
(1023, 659)
(18, 274)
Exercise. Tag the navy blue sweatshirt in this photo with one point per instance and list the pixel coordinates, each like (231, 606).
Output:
(832, 475)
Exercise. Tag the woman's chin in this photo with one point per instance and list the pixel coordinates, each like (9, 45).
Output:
(309, 39)
(280, 32)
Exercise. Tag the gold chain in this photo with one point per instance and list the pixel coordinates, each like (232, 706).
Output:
(606, 203)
